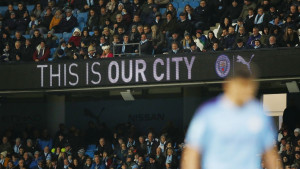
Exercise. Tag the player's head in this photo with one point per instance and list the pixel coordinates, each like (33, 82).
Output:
(241, 87)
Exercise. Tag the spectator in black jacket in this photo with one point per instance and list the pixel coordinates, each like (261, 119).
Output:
(272, 42)
(249, 21)
(21, 10)
(290, 37)
(10, 9)
(45, 21)
(27, 53)
(169, 26)
(68, 23)
(22, 23)
(36, 39)
(175, 49)
(16, 54)
(93, 20)
(11, 23)
(233, 11)
(19, 37)
(126, 48)
(146, 46)
(202, 16)
(184, 25)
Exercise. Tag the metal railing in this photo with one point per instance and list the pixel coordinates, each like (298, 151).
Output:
(128, 44)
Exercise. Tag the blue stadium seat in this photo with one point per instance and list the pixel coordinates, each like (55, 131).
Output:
(81, 25)
(162, 10)
(194, 4)
(27, 36)
(3, 10)
(83, 15)
(91, 33)
(52, 51)
(67, 36)
(182, 4)
(59, 35)
(175, 4)
(30, 8)
(91, 147)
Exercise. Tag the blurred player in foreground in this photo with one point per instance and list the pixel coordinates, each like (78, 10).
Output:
(231, 131)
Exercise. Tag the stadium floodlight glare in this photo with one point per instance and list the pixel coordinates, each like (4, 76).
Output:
(292, 87)
(127, 95)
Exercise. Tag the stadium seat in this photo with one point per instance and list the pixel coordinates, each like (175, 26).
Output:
(52, 51)
(182, 4)
(83, 15)
(67, 36)
(3, 10)
(175, 4)
(179, 10)
(81, 25)
(162, 10)
(27, 36)
(91, 33)
(59, 35)
(91, 147)
(30, 8)
(194, 4)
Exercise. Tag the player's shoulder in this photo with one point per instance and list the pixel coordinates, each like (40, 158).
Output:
(208, 107)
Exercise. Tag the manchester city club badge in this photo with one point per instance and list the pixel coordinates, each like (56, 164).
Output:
(222, 66)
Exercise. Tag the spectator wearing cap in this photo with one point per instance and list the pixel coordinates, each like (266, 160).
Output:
(248, 4)
(255, 35)
(184, 25)
(91, 53)
(62, 45)
(41, 53)
(249, 20)
(158, 39)
(199, 39)
(11, 23)
(233, 11)
(202, 16)
(3, 158)
(68, 23)
(242, 34)
(55, 19)
(81, 157)
(36, 38)
(239, 45)
(51, 40)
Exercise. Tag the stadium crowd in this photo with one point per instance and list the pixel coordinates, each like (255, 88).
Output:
(101, 148)
(86, 29)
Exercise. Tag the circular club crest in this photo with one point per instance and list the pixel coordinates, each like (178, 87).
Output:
(222, 66)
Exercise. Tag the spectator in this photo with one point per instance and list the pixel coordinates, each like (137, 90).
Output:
(88, 163)
(202, 16)
(146, 46)
(70, 50)
(85, 36)
(62, 46)
(242, 34)
(210, 40)
(91, 53)
(219, 7)
(240, 23)
(158, 40)
(44, 24)
(19, 37)
(169, 26)
(255, 35)
(22, 23)
(249, 21)
(67, 24)
(16, 55)
(76, 37)
(186, 42)
(184, 25)
(27, 53)
(265, 36)
(11, 23)
(240, 45)
(33, 24)
(152, 163)
(272, 42)
(224, 26)
(92, 20)
(37, 38)
(21, 10)
(276, 22)
(233, 11)
(106, 52)
(37, 10)
(126, 48)
(10, 9)
(257, 44)
(111, 6)
(248, 4)
(5, 39)
(55, 19)
(6, 56)
(103, 17)
(216, 47)
(230, 40)
(175, 50)
(189, 13)
(171, 160)
(51, 40)
(170, 9)
(261, 19)
(3, 158)
(41, 53)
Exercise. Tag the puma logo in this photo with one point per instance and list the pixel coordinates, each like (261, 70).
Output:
(243, 61)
